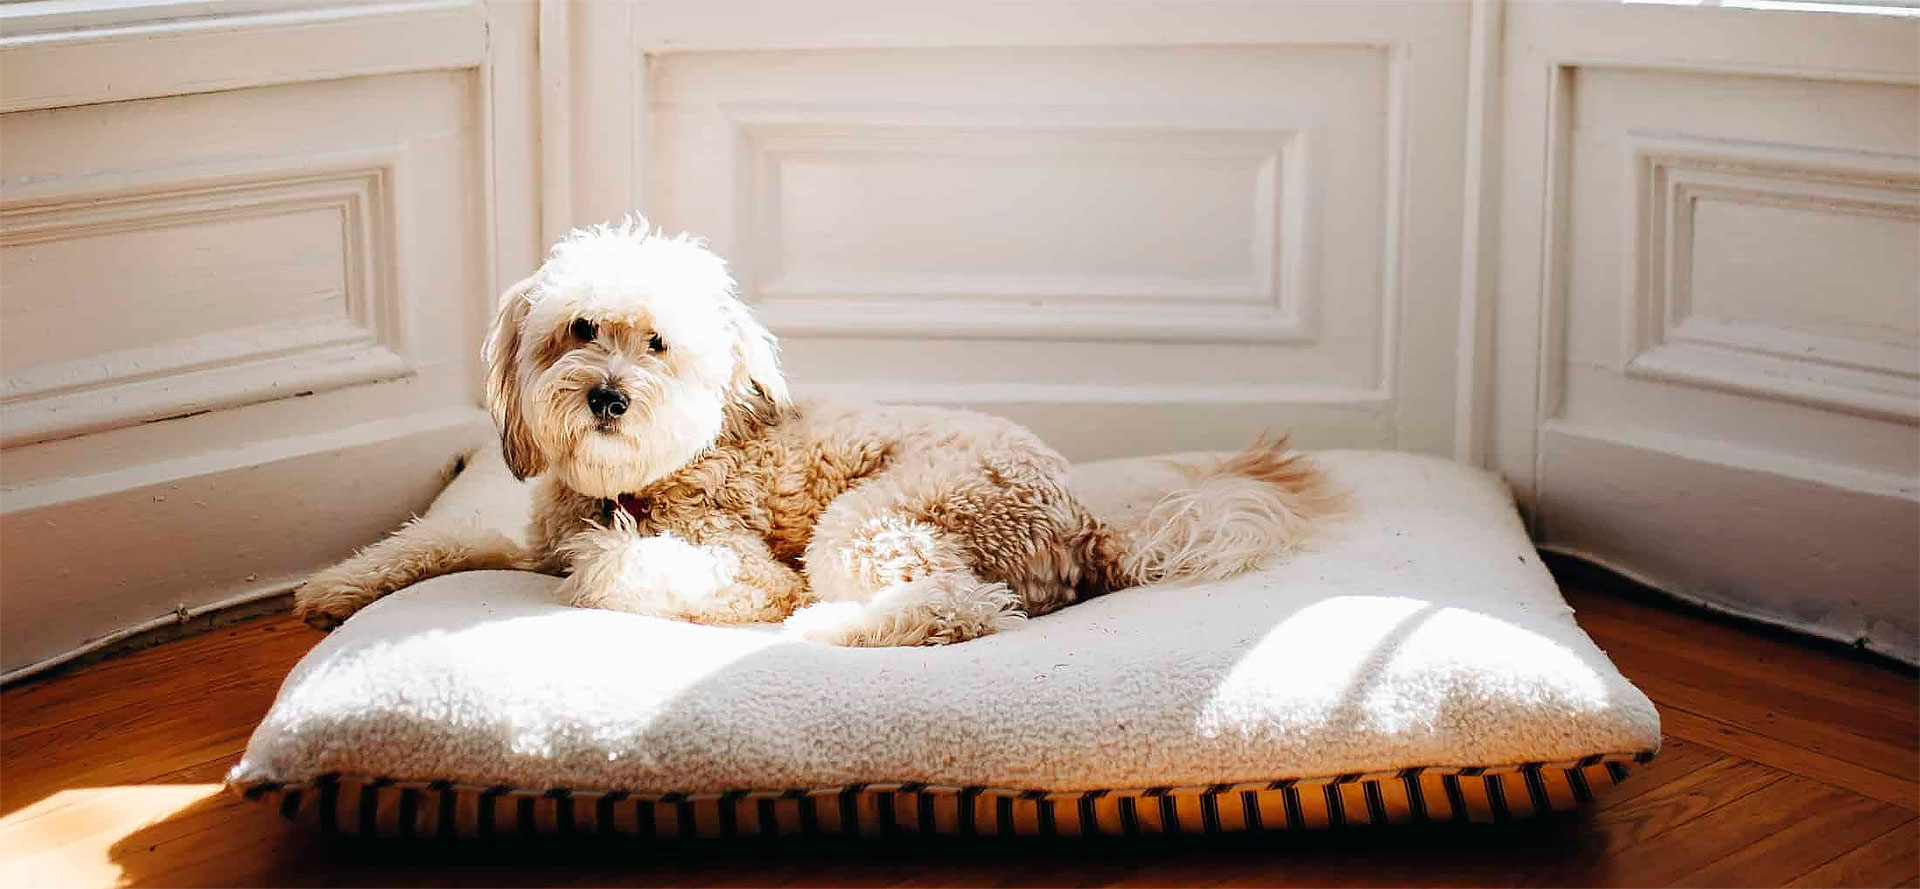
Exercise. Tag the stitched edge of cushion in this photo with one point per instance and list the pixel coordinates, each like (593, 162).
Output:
(375, 806)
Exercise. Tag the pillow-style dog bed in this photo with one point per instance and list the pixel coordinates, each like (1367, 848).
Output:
(1416, 664)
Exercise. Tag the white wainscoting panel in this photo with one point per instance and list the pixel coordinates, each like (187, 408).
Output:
(1703, 291)
(275, 281)
(1190, 241)
(239, 315)
(1724, 291)
(1775, 273)
(868, 225)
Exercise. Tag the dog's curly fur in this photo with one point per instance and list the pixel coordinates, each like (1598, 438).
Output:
(715, 498)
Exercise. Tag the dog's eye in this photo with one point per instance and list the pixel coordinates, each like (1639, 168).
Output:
(655, 344)
(584, 330)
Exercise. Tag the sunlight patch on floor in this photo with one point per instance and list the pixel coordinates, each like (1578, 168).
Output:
(67, 839)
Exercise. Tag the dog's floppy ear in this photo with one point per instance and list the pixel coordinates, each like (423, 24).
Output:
(756, 358)
(503, 382)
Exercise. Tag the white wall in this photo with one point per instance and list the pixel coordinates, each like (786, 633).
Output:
(1710, 309)
(244, 261)
(1656, 264)
(1135, 227)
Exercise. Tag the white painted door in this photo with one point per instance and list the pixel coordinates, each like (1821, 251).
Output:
(1135, 227)
(1708, 371)
(246, 249)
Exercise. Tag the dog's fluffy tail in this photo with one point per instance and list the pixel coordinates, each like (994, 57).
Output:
(1231, 516)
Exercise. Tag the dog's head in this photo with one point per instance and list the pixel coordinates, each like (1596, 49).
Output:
(618, 361)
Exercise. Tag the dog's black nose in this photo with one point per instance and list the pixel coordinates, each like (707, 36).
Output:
(606, 403)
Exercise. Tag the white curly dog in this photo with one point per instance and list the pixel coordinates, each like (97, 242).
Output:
(678, 479)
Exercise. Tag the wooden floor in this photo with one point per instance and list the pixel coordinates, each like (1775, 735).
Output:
(1784, 764)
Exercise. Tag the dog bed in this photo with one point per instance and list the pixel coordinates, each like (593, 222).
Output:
(1415, 664)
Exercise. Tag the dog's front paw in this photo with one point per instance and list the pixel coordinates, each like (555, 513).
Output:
(829, 623)
(938, 610)
(664, 576)
(327, 599)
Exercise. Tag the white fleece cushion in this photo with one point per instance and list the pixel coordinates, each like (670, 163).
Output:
(1421, 631)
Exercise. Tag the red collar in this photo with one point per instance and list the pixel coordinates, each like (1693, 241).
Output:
(634, 506)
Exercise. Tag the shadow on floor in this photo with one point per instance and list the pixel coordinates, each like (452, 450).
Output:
(221, 840)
